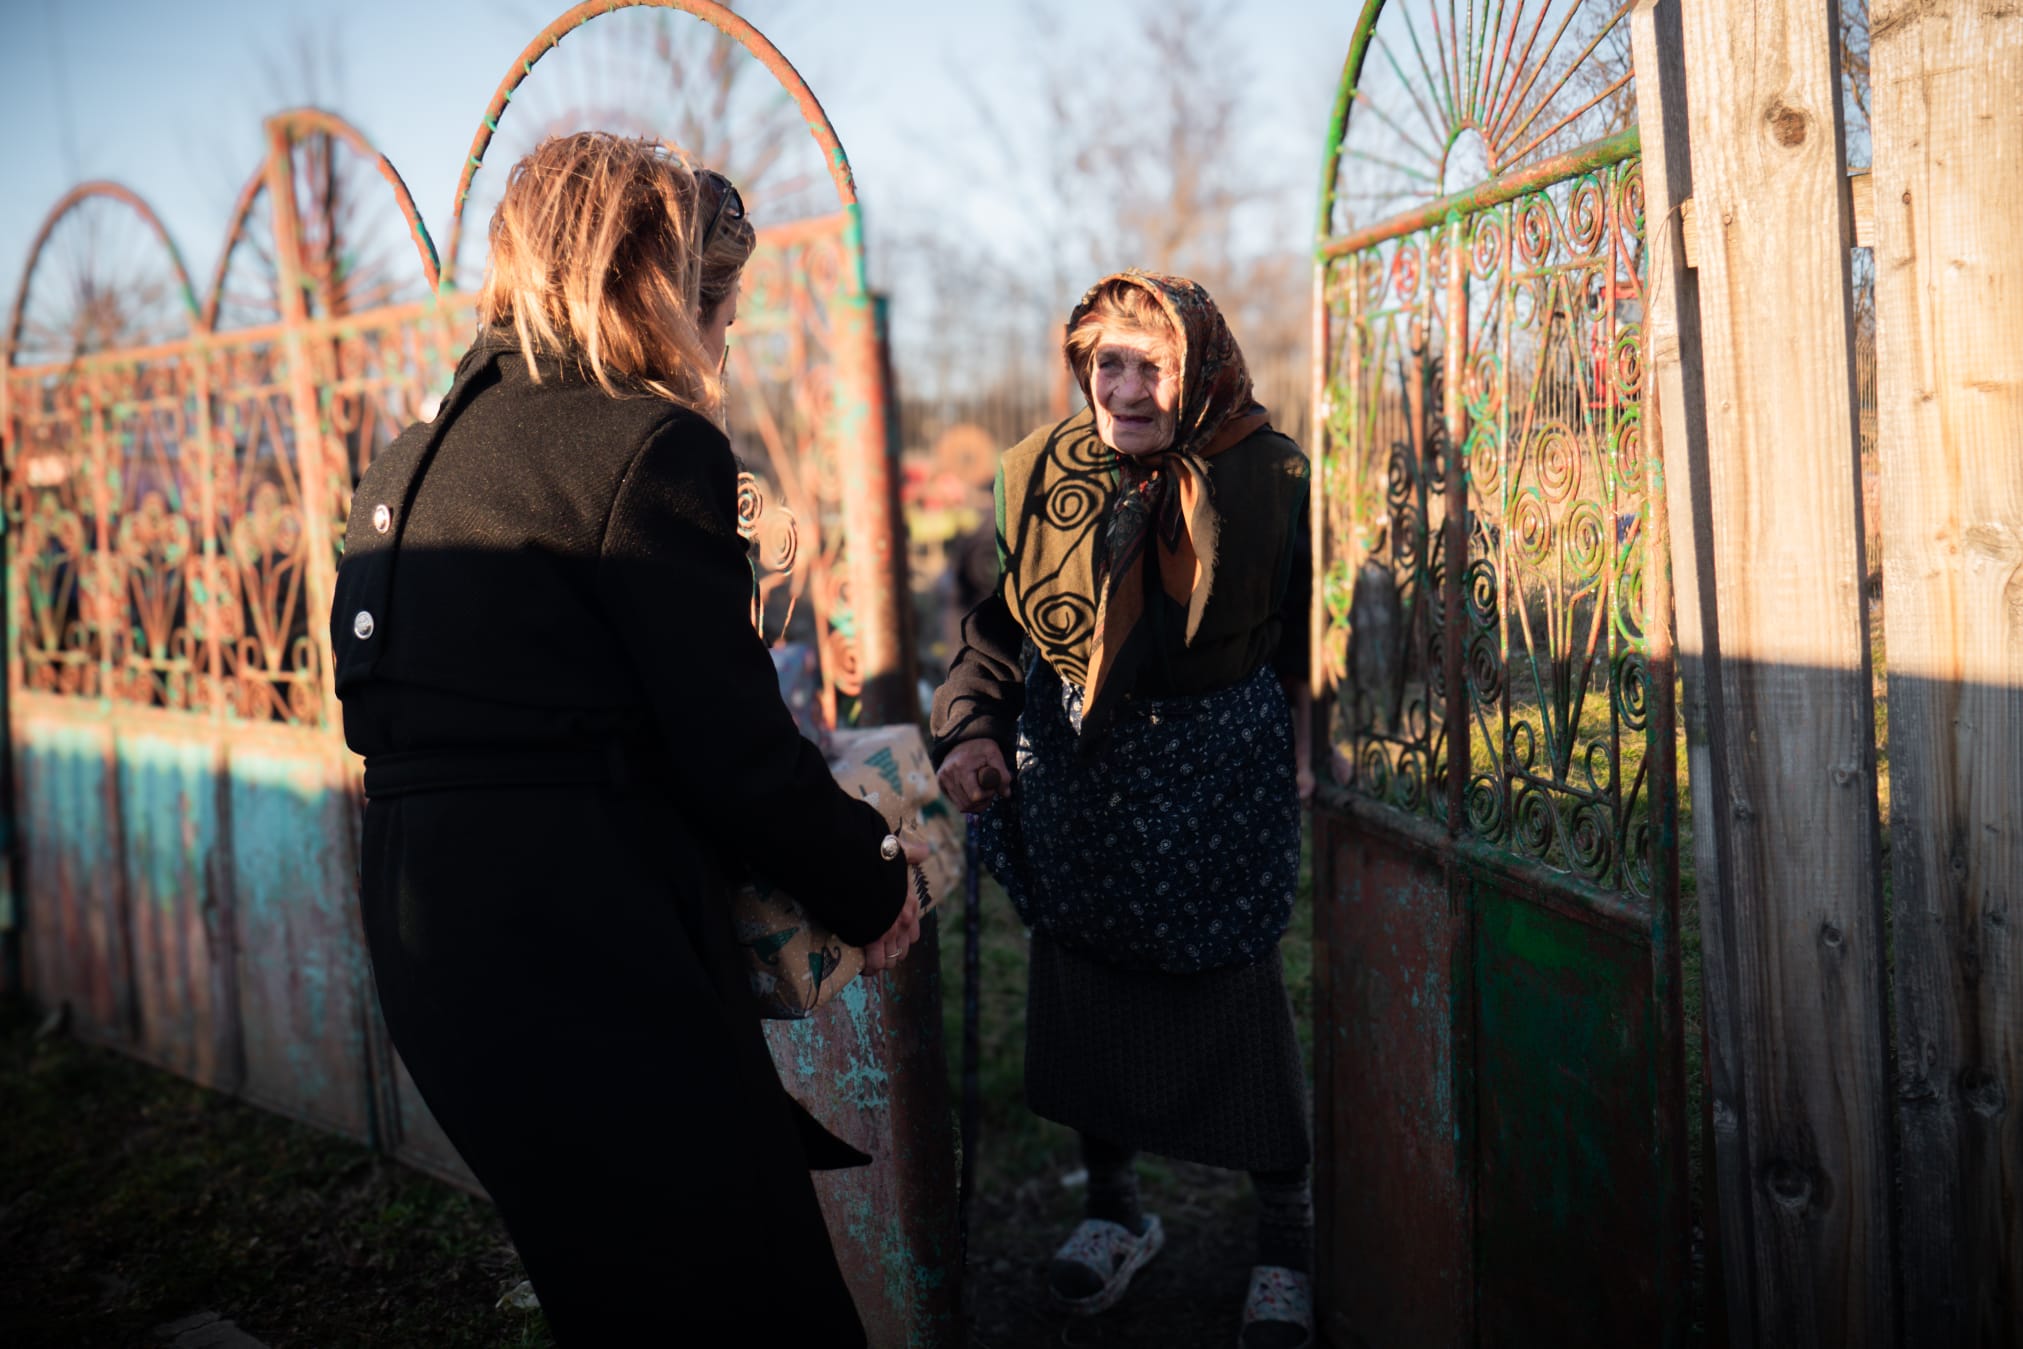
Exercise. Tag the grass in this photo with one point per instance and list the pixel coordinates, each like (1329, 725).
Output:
(130, 1198)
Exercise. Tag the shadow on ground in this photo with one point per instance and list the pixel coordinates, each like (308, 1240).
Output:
(131, 1201)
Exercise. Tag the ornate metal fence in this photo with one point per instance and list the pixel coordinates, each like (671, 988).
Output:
(1495, 871)
(177, 473)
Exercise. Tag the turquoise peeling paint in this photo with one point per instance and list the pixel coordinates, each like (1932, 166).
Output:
(907, 1278)
(76, 943)
(303, 982)
(863, 1084)
(799, 1044)
(170, 828)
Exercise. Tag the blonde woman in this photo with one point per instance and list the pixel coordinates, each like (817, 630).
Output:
(1134, 666)
(573, 741)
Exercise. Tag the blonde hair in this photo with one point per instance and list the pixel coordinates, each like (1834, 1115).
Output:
(1118, 305)
(594, 255)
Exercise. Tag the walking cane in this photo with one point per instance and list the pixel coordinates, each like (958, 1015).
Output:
(972, 950)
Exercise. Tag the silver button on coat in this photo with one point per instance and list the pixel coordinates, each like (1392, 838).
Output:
(382, 518)
(361, 624)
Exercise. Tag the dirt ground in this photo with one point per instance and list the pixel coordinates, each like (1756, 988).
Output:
(130, 1199)
(1191, 1294)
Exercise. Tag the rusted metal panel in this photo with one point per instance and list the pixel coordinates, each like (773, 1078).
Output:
(76, 936)
(171, 804)
(1566, 1096)
(870, 1068)
(412, 1134)
(304, 983)
(1391, 1182)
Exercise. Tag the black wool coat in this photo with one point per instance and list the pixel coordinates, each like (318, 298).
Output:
(574, 741)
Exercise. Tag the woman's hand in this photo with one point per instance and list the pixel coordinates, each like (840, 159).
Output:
(891, 948)
(973, 775)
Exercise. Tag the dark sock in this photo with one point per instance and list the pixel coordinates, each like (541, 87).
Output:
(1285, 1219)
(1113, 1183)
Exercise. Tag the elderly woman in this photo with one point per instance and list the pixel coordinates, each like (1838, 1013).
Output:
(1153, 600)
(573, 740)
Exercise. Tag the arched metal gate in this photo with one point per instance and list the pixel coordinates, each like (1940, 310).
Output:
(177, 474)
(1499, 1053)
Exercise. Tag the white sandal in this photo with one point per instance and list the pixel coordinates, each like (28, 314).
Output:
(1111, 1254)
(1282, 1299)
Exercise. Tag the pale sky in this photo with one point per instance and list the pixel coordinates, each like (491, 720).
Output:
(167, 97)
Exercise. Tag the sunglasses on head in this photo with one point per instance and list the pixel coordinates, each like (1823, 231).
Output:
(729, 205)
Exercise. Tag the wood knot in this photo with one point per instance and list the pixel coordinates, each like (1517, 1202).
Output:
(1829, 936)
(1982, 1092)
(1789, 1185)
(1787, 124)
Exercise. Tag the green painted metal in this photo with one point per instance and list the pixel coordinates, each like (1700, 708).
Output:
(1485, 196)
(1338, 115)
(1491, 690)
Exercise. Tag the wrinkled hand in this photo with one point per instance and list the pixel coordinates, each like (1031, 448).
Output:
(973, 775)
(891, 948)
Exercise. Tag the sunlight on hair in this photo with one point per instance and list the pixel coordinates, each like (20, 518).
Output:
(1119, 307)
(594, 258)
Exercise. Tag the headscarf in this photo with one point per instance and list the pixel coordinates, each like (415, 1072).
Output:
(1163, 499)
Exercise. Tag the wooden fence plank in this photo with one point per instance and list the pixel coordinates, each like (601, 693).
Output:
(1948, 136)
(1675, 439)
(1860, 197)
(1806, 1196)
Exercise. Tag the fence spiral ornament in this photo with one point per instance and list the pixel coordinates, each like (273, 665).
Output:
(1503, 129)
(179, 469)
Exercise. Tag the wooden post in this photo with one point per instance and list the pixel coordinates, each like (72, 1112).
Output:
(1948, 175)
(1796, 997)
(1675, 445)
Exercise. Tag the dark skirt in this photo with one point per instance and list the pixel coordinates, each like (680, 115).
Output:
(1171, 842)
(1200, 1067)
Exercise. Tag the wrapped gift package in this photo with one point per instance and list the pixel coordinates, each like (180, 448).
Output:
(796, 964)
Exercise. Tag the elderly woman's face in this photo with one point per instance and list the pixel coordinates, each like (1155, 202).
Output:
(1134, 382)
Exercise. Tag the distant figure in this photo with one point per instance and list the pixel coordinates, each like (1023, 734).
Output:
(573, 740)
(1134, 663)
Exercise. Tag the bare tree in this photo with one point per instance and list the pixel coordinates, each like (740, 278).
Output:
(354, 247)
(1151, 163)
(1854, 82)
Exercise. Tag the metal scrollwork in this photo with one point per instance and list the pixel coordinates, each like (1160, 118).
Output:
(1545, 305)
(778, 401)
(1553, 657)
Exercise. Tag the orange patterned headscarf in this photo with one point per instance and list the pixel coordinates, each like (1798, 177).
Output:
(1164, 505)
